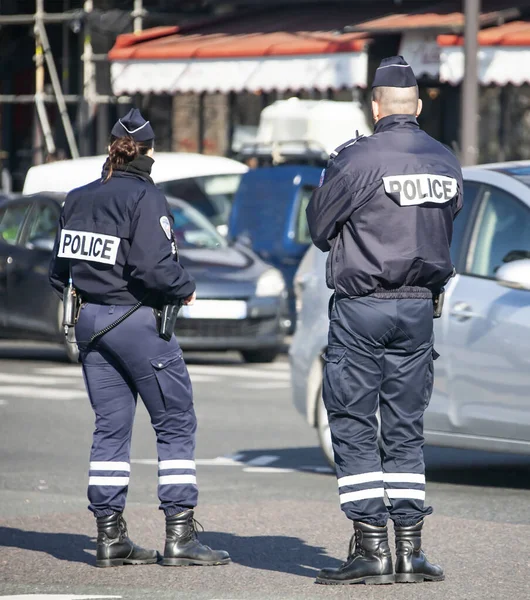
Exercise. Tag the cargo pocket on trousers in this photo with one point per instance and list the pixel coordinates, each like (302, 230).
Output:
(174, 381)
(332, 390)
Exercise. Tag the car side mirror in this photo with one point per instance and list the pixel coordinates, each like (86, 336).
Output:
(515, 274)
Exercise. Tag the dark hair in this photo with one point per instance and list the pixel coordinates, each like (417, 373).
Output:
(124, 150)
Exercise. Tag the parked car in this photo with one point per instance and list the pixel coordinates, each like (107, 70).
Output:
(268, 215)
(241, 301)
(208, 183)
(482, 378)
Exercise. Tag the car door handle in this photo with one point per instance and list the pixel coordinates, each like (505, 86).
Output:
(462, 311)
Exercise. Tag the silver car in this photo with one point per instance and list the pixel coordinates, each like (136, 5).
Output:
(481, 395)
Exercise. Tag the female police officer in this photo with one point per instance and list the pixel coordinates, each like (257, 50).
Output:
(115, 243)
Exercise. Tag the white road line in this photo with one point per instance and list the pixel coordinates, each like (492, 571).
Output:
(269, 385)
(60, 371)
(263, 460)
(267, 470)
(55, 597)
(203, 378)
(241, 372)
(40, 380)
(3, 402)
(39, 393)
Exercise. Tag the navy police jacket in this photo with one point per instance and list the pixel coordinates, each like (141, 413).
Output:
(117, 237)
(385, 210)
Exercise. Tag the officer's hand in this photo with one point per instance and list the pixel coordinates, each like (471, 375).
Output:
(191, 300)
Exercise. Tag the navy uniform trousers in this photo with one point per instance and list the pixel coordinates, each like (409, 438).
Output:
(380, 355)
(129, 360)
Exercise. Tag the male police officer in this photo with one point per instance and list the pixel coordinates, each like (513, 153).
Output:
(385, 210)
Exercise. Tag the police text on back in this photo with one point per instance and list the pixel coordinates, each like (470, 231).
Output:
(412, 190)
(85, 245)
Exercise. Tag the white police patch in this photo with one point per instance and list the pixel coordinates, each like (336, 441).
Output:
(85, 245)
(164, 223)
(322, 175)
(413, 190)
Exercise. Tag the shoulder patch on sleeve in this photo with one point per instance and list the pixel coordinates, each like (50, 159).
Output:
(164, 223)
(322, 175)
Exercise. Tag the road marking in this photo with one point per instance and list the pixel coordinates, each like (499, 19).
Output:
(237, 371)
(55, 597)
(262, 461)
(3, 402)
(60, 371)
(33, 393)
(259, 464)
(36, 379)
(267, 470)
(269, 385)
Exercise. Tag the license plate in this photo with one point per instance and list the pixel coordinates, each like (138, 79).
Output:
(215, 309)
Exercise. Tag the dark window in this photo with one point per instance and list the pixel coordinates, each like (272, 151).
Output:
(462, 223)
(11, 221)
(212, 195)
(502, 233)
(43, 227)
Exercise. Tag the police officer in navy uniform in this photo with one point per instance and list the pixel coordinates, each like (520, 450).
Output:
(384, 211)
(115, 242)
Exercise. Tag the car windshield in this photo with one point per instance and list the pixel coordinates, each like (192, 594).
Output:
(212, 195)
(520, 173)
(192, 230)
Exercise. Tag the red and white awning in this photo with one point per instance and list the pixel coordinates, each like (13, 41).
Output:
(164, 61)
(503, 56)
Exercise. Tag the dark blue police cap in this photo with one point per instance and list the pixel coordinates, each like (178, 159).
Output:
(135, 126)
(394, 72)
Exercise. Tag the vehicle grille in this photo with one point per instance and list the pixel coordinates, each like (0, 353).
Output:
(219, 328)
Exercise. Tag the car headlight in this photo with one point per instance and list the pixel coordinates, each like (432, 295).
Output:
(271, 283)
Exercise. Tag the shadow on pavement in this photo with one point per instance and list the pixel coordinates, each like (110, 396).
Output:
(477, 468)
(63, 546)
(272, 553)
(443, 465)
(309, 458)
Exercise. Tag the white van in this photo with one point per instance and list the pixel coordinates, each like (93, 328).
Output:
(207, 182)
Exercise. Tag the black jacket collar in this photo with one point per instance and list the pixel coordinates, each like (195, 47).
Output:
(396, 121)
(139, 167)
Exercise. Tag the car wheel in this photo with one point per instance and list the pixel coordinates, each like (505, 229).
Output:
(323, 430)
(260, 356)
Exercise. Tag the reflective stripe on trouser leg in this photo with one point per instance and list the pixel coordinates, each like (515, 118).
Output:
(177, 483)
(114, 405)
(352, 375)
(404, 396)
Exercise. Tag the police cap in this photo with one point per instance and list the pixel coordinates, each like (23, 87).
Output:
(133, 125)
(394, 72)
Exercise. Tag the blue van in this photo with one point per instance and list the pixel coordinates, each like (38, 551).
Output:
(268, 214)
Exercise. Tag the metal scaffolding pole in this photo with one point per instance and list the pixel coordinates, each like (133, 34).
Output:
(89, 107)
(39, 90)
(138, 14)
(470, 89)
(57, 90)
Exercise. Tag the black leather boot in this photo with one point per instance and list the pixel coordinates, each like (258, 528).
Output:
(115, 549)
(183, 547)
(412, 565)
(369, 559)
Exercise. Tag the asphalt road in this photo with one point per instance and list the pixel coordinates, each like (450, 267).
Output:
(266, 496)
